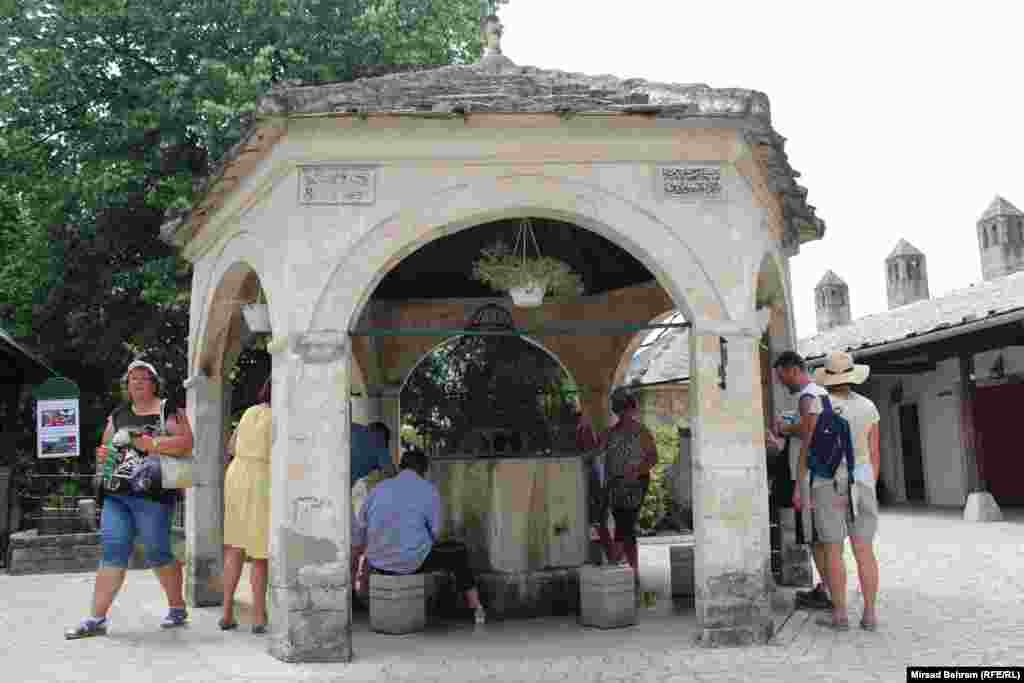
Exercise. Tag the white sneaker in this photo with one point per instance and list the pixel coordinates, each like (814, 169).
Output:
(480, 615)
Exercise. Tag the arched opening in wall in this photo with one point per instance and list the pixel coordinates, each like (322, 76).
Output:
(491, 390)
(488, 396)
(235, 359)
(235, 349)
(656, 367)
(779, 337)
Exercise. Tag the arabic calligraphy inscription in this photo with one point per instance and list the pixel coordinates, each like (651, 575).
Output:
(336, 184)
(691, 182)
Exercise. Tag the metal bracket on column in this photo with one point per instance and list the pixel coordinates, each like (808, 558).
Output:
(723, 346)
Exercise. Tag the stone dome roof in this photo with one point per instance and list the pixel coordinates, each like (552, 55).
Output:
(830, 279)
(904, 248)
(1000, 207)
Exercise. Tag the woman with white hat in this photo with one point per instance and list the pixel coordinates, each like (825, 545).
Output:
(133, 507)
(838, 376)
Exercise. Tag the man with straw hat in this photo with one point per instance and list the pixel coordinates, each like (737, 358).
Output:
(838, 376)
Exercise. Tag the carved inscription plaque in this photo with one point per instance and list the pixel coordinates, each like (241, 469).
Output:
(691, 182)
(336, 184)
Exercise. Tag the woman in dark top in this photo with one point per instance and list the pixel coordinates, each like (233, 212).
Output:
(130, 511)
(629, 455)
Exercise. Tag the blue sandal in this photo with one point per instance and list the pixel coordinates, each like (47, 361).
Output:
(89, 628)
(176, 616)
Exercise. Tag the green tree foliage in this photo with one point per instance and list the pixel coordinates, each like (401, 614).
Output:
(658, 501)
(493, 382)
(111, 111)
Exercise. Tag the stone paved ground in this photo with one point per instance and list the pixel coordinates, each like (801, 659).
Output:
(953, 594)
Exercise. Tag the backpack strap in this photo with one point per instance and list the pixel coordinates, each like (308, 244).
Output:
(163, 417)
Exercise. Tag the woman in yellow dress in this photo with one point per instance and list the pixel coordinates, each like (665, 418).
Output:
(247, 511)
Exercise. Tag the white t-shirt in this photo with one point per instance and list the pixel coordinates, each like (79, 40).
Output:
(813, 407)
(862, 414)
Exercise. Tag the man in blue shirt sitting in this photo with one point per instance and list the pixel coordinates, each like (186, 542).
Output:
(398, 527)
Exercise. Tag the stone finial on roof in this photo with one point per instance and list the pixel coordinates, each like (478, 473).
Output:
(906, 275)
(491, 30)
(1000, 207)
(831, 302)
(830, 279)
(904, 248)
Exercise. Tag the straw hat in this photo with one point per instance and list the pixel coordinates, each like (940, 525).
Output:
(840, 369)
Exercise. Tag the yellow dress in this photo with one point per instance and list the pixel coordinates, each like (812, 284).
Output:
(247, 485)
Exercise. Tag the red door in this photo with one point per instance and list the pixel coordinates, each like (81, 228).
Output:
(998, 412)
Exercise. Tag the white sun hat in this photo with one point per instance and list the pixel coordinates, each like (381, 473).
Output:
(840, 369)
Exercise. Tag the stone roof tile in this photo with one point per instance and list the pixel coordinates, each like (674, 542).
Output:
(512, 89)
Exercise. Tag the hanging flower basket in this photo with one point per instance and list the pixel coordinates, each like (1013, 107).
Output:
(527, 279)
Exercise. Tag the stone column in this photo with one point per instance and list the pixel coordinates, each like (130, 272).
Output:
(310, 510)
(732, 558)
(204, 502)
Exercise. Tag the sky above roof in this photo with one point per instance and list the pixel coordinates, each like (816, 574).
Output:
(903, 118)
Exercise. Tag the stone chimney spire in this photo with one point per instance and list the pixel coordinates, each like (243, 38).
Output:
(832, 302)
(906, 275)
(492, 59)
(1001, 239)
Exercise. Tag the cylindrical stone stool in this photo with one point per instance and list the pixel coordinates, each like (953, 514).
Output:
(398, 604)
(87, 513)
(607, 596)
(681, 565)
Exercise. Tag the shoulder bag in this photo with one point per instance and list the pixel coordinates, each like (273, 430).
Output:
(175, 472)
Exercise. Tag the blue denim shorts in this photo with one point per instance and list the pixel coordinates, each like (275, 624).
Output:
(126, 518)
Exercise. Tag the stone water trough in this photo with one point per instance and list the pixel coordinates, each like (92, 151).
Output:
(524, 521)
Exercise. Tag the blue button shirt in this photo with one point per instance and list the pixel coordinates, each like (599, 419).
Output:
(399, 523)
(368, 452)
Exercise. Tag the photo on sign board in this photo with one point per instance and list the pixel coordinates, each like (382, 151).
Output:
(58, 446)
(58, 417)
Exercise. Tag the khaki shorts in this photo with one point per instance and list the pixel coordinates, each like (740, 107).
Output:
(865, 524)
(831, 512)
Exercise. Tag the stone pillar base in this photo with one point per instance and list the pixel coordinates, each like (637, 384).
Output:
(312, 618)
(982, 507)
(204, 582)
(757, 633)
(796, 557)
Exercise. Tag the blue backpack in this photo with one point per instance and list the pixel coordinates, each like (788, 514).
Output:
(831, 444)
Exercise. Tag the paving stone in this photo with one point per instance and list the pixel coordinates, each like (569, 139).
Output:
(951, 592)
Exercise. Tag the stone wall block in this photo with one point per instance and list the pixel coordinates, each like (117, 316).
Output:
(327, 586)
